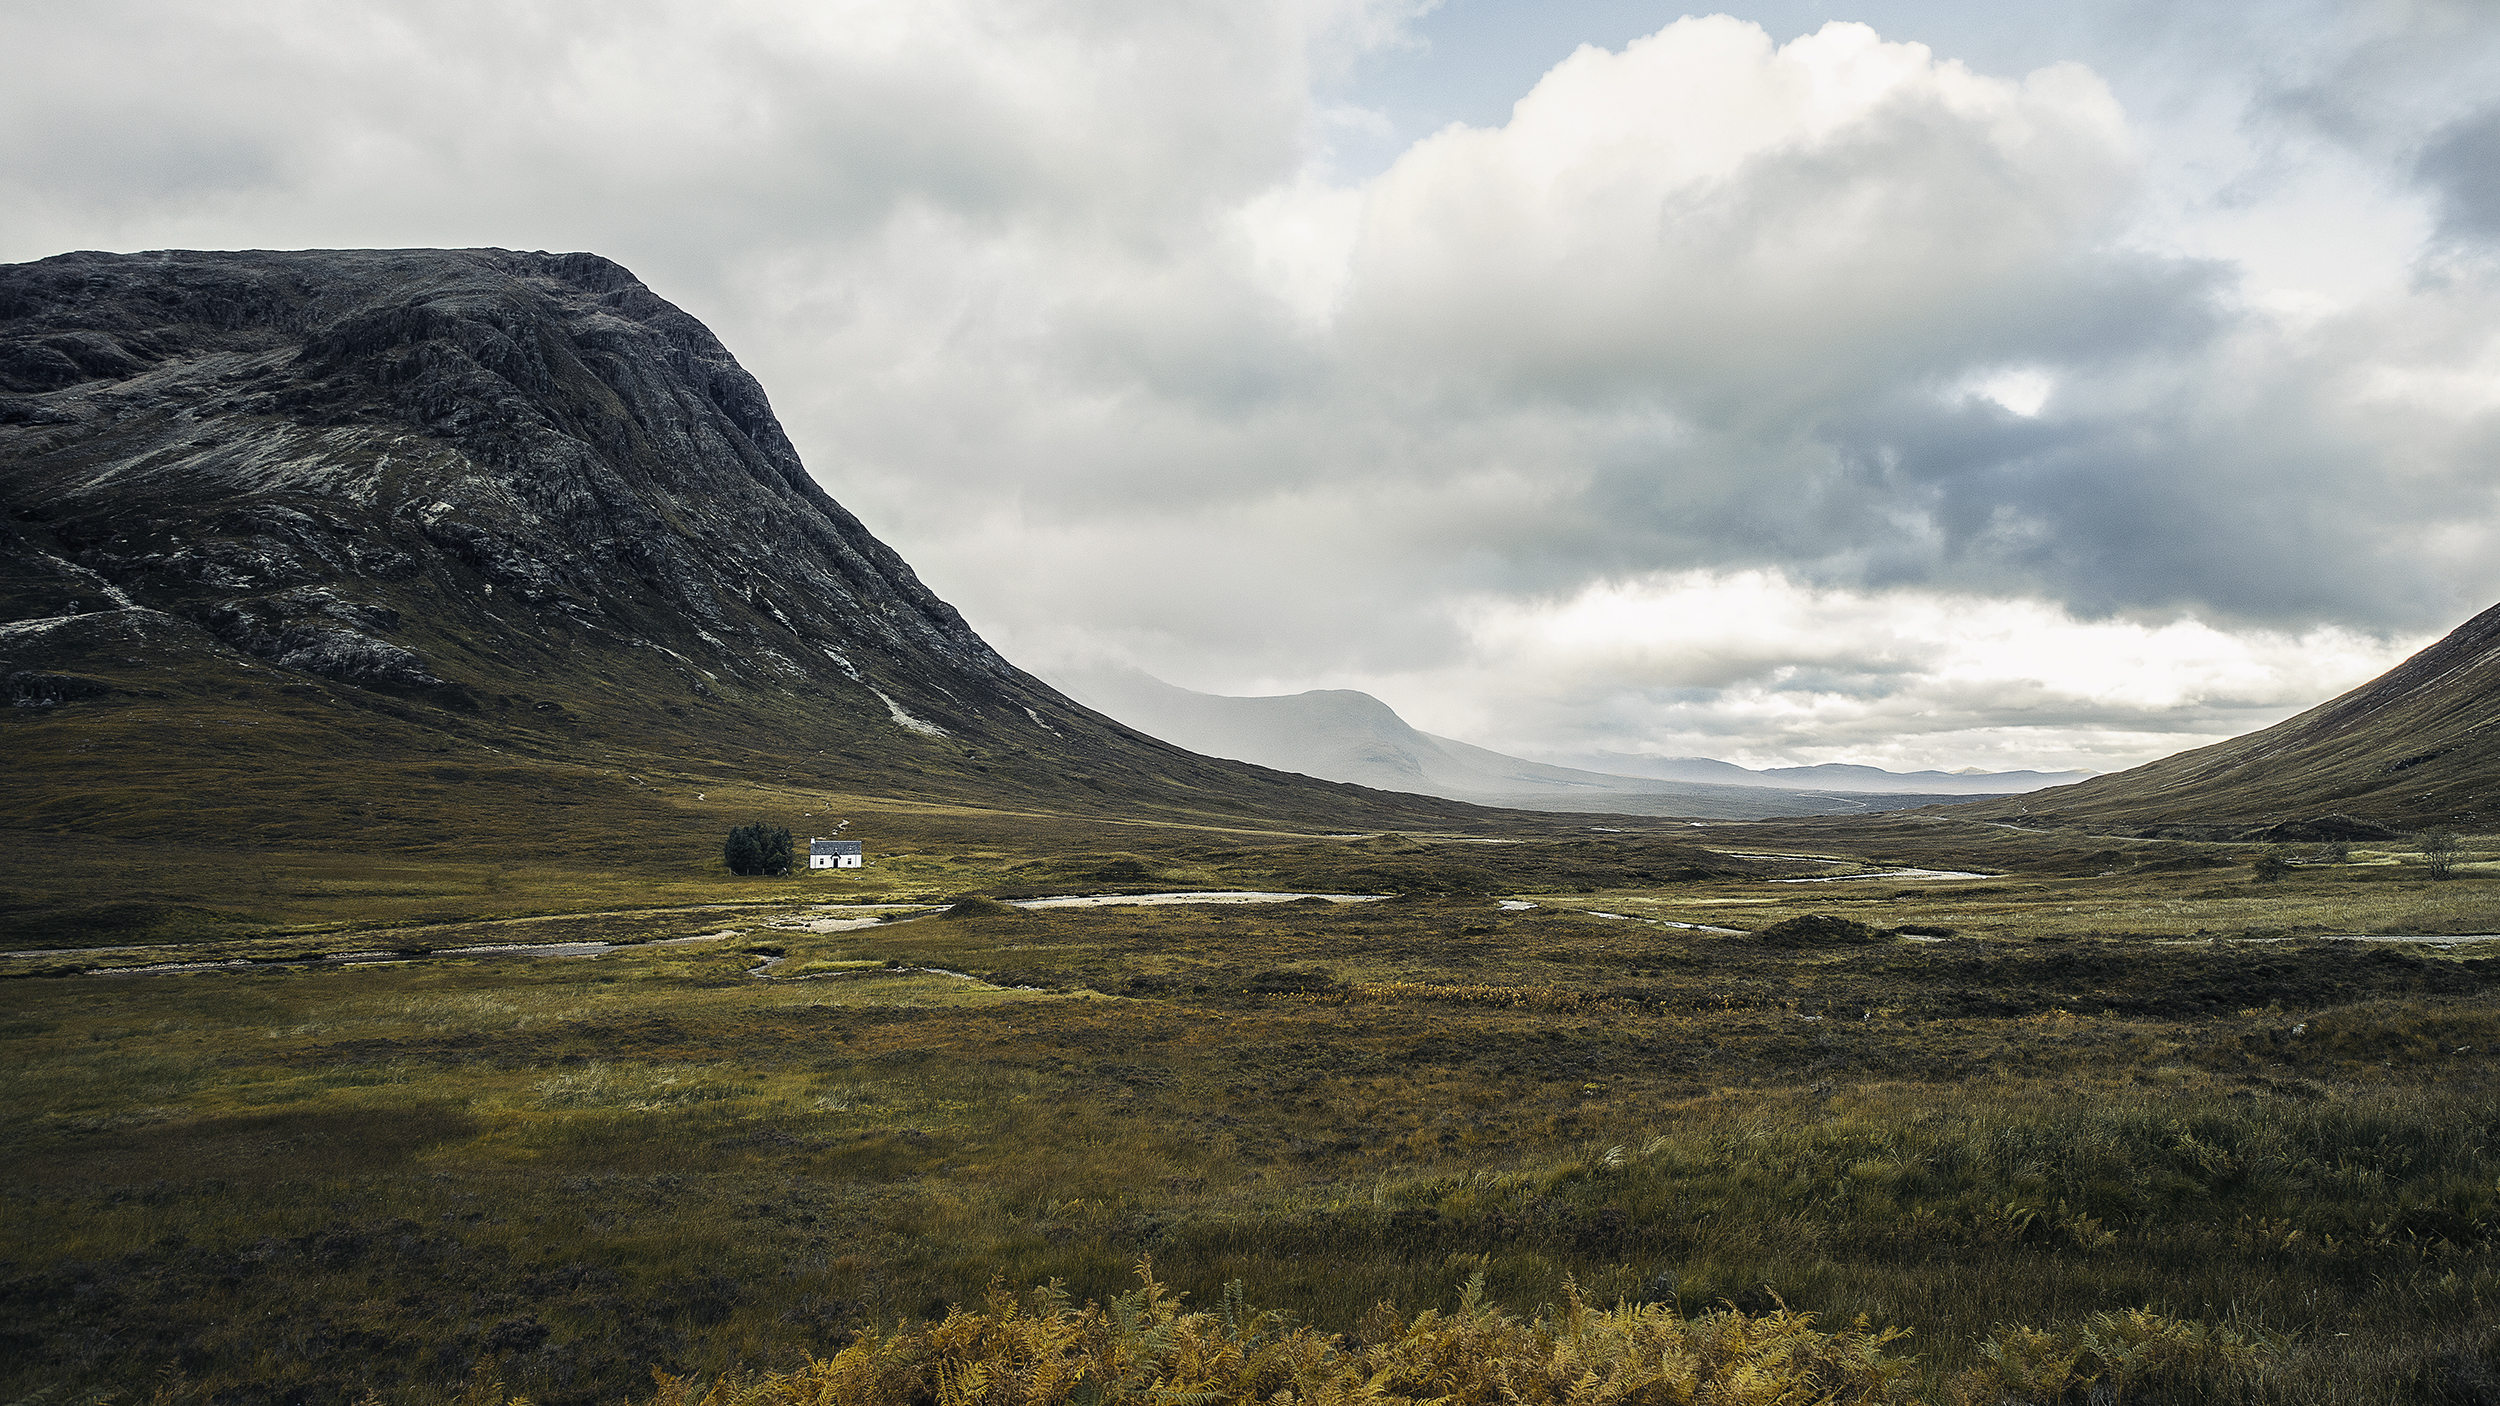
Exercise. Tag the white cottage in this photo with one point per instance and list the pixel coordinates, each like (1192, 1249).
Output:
(835, 854)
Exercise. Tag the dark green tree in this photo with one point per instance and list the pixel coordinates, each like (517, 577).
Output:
(2273, 865)
(757, 849)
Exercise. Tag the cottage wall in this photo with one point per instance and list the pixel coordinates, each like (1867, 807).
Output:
(836, 854)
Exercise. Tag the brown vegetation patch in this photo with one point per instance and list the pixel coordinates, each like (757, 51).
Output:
(1820, 930)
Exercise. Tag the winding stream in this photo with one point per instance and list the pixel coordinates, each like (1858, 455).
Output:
(1884, 874)
(816, 921)
(886, 914)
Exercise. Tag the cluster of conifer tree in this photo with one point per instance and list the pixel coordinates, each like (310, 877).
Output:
(757, 848)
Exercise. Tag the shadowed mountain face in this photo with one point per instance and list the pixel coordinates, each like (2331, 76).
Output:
(2417, 746)
(1345, 735)
(277, 447)
(427, 501)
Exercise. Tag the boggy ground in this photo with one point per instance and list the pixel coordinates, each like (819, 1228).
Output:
(2051, 1098)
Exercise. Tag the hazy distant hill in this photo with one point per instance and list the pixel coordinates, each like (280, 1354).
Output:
(1836, 776)
(2419, 745)
(1344, 735)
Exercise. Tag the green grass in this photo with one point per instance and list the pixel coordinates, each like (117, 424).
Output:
(314, 1182)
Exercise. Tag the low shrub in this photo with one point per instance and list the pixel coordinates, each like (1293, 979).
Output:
(2112, 1359)
(1039, 1351)
(1820, 930)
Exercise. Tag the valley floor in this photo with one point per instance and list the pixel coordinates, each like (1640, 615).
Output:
(2111, 1075)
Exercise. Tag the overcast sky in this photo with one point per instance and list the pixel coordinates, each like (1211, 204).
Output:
(1918, 384)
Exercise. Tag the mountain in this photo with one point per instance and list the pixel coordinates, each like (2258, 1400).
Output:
(1345, 735)
(426, 548)
(2417, 746)
(1838, 776)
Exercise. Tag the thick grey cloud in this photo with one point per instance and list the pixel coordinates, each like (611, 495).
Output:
(1074, 303)
(2463, 164)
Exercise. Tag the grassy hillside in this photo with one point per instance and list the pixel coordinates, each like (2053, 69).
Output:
(2416, 747)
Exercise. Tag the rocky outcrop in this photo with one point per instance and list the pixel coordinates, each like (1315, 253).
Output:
(299, 451)
(27, 688)
(2327, 829)
(317, 630)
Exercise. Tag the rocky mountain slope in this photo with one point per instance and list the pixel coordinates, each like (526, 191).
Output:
(1346, 735)
(281, 532)
(2418, 746)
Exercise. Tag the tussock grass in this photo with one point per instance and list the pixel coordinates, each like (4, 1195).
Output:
(318, 1183)
(1142, 1345)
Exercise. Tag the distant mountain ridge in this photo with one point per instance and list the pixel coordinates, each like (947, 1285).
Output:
(1841, 776)
(1346, 735)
